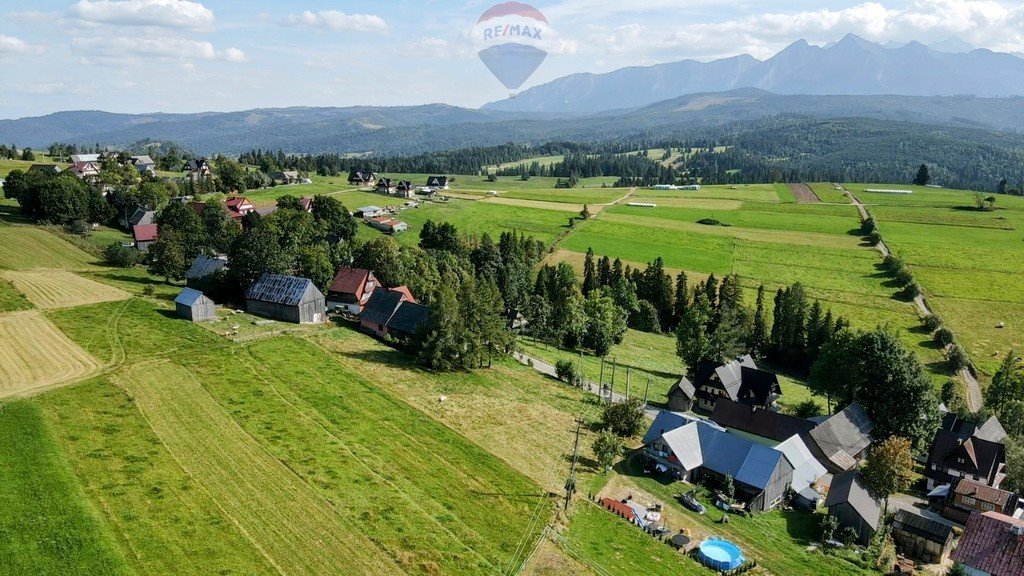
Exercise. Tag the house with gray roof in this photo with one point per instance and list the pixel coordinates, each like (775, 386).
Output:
(767, 424)
(841, 440)
(702, 452)
(203, 269)
(286, 298)
(740, 381)
(963, 449)
(850, 502)
(807, 471)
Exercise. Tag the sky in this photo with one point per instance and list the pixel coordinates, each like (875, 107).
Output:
(136, 56)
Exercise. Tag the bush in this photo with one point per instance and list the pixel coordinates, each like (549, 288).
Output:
(711, 222)
(625, 418)
(893, 263)
(567, 372)
(79, 227)
(875, 237)
(956, 358)
(944, 337)
(808, 408)
(849, 536)
(913, 290)
(932, 322)
(868, 227)
(121, 256)
(904, 277)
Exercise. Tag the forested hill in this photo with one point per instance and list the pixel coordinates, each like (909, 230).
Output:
(414, 130)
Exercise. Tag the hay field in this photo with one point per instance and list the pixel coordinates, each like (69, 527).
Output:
(35, 355)
(27, 248)
(49, 289)
(296, 529)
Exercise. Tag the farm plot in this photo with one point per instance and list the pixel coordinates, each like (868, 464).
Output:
(49, 289)
(27, 248)
(296, 529)
(10, 299)
(478, 217)
(544, 205)
(35, 355)
(804, 194)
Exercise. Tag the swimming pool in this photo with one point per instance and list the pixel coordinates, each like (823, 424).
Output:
(721, 554)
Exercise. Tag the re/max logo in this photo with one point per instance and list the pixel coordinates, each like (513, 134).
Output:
(511, 30)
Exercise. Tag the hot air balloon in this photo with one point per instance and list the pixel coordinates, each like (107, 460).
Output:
(512, 40)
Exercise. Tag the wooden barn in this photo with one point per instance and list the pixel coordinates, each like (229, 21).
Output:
(286, 298)
(194, 306)
(855, 507)
(922, 538)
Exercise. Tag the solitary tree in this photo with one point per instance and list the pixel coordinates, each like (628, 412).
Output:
(889, 468)
(624, 418)
(923, 177)
(607, 447)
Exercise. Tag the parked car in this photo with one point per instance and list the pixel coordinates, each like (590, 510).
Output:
(691, 502)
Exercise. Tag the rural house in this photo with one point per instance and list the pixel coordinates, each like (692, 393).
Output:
(351, 289)
(45, 168)
(387, 186)
(284, 177)
(438, 182)
(198, 169)
(84, 158)
(388, 225)
(88, 171)
(405, 189)
(842, 439)
(739, 380)
(139, 215)
(369, 212)
(921, 538)
(286, 298)
(964, 450)
(681, 396)
(144, 235)
(850, 502)
(807, 471)
(758, 422)
(203, 269)
(702, 452)
(238, 206)
(307, 204)
(144, 164)
(992, 545)
(362, 178)
(379, 309)
(966, 496)
(407, 320)
(194, 306)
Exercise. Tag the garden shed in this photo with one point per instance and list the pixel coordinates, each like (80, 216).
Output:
(194, 306)
(286, 298)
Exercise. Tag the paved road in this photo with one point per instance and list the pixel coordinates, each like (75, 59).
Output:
(975, 401)
(592, 387)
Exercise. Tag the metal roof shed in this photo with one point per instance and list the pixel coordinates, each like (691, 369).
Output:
(286, 298)
(194, 306)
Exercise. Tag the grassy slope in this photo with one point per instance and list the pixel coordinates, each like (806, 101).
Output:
(47, 526)
(10, 299)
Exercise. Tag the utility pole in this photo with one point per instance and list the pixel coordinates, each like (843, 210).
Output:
(570, 484)
(600, 385)
(627, 384)
(647, 389)
(583, 377)
(615, 363)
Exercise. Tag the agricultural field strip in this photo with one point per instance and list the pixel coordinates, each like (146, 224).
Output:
(62, 289)
(29, 248)
(35, 355)
(296, 529)
(409, 501)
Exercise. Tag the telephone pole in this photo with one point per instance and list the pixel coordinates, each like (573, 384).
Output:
(570, 484)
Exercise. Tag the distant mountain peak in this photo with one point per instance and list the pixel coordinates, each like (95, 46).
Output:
(952, 45)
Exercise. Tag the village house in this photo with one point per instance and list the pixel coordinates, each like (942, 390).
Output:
(438, 182)
(198, 169)
(194, 306)
(807, 472)
(761, 425)
(284, 177)
(740, 380)
(840, 441)
(45, 168)
(381, 307)
(387, 186)
(238, 207)
(964, 450)
(362, 178)
(351, 289)
(699, 451)
(407, 320)
(921, 538)
(388, 225)
(88, 171)
(85, 158)
(966, 496)
(992, 545)
(405, 189)
(286, 298)
(850, 502)
(144, 164)
(144, 236)
(139, 215)
(307, 204)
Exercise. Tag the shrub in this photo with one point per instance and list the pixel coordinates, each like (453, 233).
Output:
(893, 263)
(711, 222)
(121, 256)
(913, 290)
(808, 408)
(869, 227)
(875, 237)
(932, 322)
(849, 536)
(567, 372)
(79, 227)
(956, 358)
(904, 277)
(944, 337)
(625, 418)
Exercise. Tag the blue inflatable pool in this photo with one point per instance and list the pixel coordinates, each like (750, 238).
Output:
(721, 554)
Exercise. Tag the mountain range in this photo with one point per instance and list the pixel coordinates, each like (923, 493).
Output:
(851, 66)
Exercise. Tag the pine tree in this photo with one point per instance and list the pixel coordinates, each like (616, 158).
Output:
(711, 291)
(923, 177)
(758, 344)
(604, 272)
(682, 298)
(444, 341)
(589, 273)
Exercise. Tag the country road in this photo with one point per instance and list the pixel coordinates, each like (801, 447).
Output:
(975, 400)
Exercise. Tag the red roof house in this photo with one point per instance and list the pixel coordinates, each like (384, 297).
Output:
(238, 206)
(351, 289)
(406, 294)
(992, 543)
(144, 235)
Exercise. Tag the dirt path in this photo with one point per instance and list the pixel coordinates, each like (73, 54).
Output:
(804, 194)
(975, 400)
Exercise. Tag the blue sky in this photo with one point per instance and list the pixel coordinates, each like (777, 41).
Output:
(199, 55)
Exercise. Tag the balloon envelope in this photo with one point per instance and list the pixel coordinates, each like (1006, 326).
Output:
(512, 64)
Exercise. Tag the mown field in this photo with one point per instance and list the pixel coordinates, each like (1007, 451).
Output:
(967, 260)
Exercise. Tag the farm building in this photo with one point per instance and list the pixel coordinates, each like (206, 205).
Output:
(438, 182)
(681, 395)
(45, 168)
(840, 441)
(758, 422)
(351, 289)
(407, 320)
(369, 212)
(851, 503)
(389, 225)
(921, 538)
(193, 305)
(286, 298)
(740, 380)
(964, 450)
(144, 236)
(203, 269)
(806, 472)
(379, 309)
(992, 545)
(285, 177)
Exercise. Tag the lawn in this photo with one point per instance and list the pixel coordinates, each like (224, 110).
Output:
(48, 526)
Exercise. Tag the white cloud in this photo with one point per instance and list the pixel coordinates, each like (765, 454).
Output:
(337, 21)
(165, 13)
(154, 47)
(11, 45)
